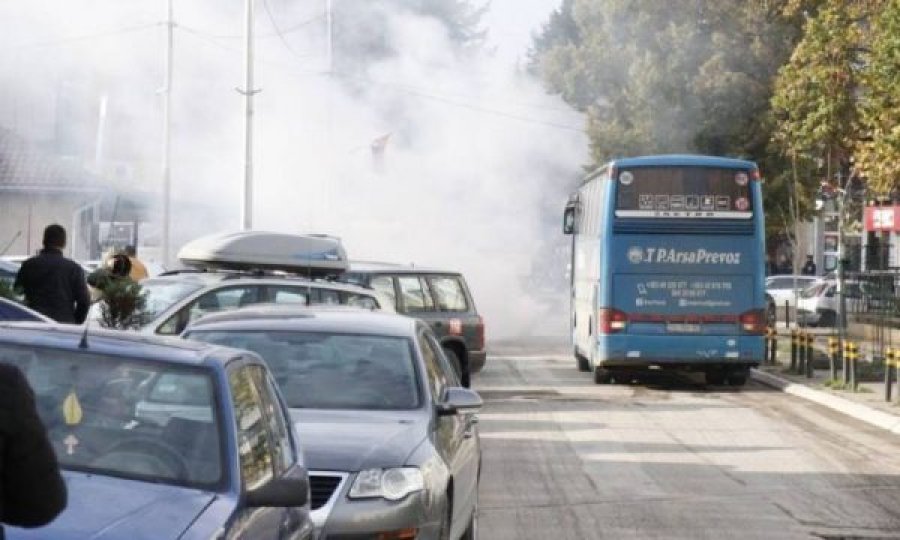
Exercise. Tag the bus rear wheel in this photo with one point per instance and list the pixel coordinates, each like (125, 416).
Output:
(738, 377)
(715, 377)
(602, 376)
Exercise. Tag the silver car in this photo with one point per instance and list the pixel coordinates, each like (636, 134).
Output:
(390, 434)
(176, 299)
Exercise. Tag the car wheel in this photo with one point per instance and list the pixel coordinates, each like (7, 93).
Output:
(457, 366)
(582, 362)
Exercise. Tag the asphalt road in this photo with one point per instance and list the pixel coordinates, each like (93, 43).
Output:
(669, 458)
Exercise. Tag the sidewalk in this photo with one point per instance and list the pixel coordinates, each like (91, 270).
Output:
(866, 404)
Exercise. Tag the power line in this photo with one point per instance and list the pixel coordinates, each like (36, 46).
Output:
(278, 30)
(290, 29)
(477, 108)
(211, 41)
(88, 37)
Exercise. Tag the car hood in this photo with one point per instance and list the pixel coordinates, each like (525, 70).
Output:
(357, 440)
(106, 508)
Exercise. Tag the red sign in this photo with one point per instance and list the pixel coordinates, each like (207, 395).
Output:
(883, 218)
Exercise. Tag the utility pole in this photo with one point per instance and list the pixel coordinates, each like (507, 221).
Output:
(842, 301)
(167, 135)
(248, 92)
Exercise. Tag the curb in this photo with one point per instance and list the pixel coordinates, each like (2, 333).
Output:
(853, 409)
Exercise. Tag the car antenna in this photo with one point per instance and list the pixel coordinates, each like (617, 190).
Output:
(83, 344)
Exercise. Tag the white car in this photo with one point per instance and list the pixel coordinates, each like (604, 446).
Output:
(781, 287)
(818, 304)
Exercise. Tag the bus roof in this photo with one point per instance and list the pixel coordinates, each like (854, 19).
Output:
(688, 160)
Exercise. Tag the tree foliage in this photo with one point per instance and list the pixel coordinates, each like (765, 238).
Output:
(878, 148)
(679, 76)
(122, 305)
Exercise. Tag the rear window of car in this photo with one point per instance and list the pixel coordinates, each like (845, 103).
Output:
(449, 293)
(321, 370)
(115, 416)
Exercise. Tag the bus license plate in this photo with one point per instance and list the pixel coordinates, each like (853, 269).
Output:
(682, 328)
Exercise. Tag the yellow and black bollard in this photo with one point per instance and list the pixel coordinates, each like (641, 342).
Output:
(889, 355)
(801, 353)
(851, 355)
(772, 344)
(833, 349)
(794, 347)
(810, 341)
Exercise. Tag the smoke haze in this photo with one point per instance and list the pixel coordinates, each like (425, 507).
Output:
(432, 155)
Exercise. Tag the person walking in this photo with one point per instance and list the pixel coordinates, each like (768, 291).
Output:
(32, 490)
(138, 270)
(52, 284)
(809, 269)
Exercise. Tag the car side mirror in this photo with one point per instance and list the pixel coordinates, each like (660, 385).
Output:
(459, 400)
(287, 491)
(569, 220)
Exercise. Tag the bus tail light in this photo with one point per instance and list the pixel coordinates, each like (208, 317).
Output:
(753, 321)
(610, 321)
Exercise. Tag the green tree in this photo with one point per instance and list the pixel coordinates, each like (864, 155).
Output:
(878, 150)
(122, 305)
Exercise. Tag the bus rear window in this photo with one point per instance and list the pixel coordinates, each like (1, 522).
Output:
(683, 192)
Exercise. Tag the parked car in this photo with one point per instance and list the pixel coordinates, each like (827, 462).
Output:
(160, 438)
(391, 437)
(8, 271)
(439, 297)
(175, 299)
(781, 287)
(818, 304)
(14, 311)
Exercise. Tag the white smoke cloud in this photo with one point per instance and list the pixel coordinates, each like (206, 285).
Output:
(477, 163)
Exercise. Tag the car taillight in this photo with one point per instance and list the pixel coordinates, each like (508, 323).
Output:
(479, 333)
(753, 321)
(610, 321)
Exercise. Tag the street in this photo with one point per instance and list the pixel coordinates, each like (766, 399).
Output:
(667, 458)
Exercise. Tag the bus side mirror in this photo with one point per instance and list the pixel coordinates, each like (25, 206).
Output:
(569, 220)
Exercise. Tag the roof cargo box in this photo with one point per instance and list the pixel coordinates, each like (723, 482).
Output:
(312, 255)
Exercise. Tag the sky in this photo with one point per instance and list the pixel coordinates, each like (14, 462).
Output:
(477, 163)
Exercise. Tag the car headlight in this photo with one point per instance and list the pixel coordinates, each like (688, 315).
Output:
(390, 484)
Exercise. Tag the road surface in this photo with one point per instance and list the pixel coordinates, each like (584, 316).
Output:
(668, 458)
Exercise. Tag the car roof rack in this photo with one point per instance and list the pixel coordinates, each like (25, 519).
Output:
(266, 253)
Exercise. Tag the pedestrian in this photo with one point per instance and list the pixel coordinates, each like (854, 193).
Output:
(138, 270)
(52, 284)
(809, 269)
(32, 491)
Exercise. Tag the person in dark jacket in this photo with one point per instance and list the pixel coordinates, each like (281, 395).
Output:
(52, 284)
(32, 490)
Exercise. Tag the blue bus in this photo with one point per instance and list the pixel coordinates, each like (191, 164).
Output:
(667, 267)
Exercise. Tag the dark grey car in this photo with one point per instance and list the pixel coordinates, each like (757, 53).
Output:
(391, 437)
(439, 297)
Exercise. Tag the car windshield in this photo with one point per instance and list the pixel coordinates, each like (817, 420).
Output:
(332, 371)
(117, 417)
(814, 290)
(162, 293)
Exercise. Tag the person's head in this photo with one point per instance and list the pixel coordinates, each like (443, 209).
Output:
(54, 236)
(119, 265)
(130, 251)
